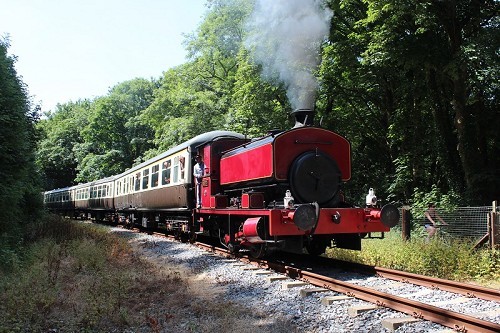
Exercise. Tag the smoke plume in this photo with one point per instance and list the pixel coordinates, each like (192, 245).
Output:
(285, 36)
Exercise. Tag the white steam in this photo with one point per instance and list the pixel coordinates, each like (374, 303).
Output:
(285, 38)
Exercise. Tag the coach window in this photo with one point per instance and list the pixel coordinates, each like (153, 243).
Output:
(138, 181)
(145, 179)
(176, 169)
(154, 175)
(165, 172)
(182, 165)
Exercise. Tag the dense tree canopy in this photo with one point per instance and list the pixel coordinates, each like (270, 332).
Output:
(19, 185)
(422, 76)
(412, 85)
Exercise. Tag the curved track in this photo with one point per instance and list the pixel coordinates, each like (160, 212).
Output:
(419, 310)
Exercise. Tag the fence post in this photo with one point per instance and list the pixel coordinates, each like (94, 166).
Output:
(493, 226)
(405, 223)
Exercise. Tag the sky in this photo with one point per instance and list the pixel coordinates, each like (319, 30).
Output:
(75, 49)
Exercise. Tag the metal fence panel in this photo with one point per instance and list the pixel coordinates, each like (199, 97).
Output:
(463, 222)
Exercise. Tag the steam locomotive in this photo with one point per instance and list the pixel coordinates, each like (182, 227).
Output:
(278, 192)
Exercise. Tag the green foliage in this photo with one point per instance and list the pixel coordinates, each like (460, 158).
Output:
(114, 136)
(445, 201)
(57, 149)
(257, 106)
(86, 279)
(20, 202)
(400, 80)
(450, 259)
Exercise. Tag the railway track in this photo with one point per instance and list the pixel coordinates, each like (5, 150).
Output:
(306, 270)
(415, 310)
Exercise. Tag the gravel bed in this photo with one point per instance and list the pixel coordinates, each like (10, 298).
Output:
(308, 314)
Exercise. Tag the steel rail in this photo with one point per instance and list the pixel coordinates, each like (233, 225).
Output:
(457, 321)
(466, 289)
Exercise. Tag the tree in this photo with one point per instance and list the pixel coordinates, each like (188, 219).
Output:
(411, 78)
(19, 187)
(256, 105)
(196, 97)
(114, 137)
(60, 133)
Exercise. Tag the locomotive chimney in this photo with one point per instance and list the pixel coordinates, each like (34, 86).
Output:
(303, 117)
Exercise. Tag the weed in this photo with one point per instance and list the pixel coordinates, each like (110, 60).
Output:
(79, 277)
(443, 258)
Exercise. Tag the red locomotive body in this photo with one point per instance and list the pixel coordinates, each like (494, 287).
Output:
(283, 192)
(269, 159)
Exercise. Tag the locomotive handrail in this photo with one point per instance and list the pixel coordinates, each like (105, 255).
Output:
(313, 142)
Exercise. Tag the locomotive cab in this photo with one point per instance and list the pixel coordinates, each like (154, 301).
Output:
(310, 162)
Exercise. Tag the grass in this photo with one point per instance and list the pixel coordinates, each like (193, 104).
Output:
(76, 277)
(452, 259)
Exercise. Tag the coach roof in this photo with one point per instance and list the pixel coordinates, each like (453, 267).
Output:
(191, 145)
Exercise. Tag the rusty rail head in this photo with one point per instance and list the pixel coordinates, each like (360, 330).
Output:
(417, 309)
(466, 289)
(457, 321)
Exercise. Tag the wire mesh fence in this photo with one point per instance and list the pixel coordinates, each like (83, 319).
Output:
(466, 221)
(463, 222)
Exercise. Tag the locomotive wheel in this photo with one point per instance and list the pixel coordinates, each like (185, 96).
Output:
(184, 237)
(314, 177)
(257, 251)
(192, 237)
(316, 248)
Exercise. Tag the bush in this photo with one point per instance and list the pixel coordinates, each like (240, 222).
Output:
(78, 277)
(447, 259)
